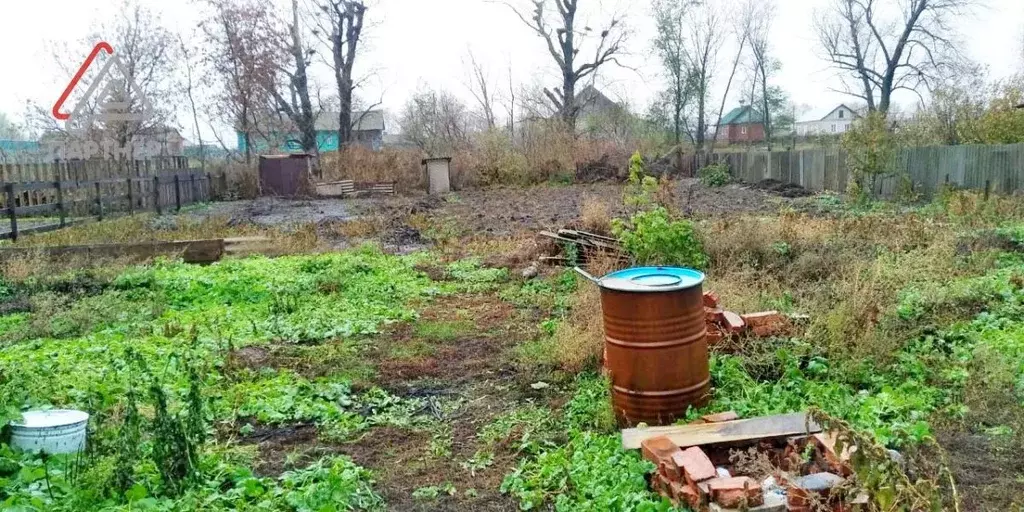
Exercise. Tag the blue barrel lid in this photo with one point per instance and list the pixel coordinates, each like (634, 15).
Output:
(652, 279)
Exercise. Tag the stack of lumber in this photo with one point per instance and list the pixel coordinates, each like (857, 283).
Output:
(587, 246)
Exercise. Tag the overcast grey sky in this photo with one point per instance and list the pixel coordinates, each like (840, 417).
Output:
(425, 42)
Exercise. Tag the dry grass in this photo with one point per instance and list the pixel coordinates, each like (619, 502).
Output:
(144, 228)
(844, 272)
(595, 215)
(579, 339)
(363, 165)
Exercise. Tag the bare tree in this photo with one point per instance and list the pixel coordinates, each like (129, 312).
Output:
(240, 39)
(480, 87)
(886, 48)
(763, 64)
(190, 62)
(511, 105)
(8, 129)
(670, 42)
(705, 40)
(341, 21)
(298, 105)
(566, 42)
(145, 77)
(741, 31)
(436, 121)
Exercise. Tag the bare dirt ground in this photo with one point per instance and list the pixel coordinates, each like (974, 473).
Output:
(498, 211)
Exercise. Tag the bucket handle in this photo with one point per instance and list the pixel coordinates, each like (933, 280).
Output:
(587, 275)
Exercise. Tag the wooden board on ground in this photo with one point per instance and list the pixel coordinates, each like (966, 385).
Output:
(724, 432)
(192, 251)
(249, 245)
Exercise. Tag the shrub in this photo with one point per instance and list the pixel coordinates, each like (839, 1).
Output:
(654, 238)
(871, 149)
(715, 175)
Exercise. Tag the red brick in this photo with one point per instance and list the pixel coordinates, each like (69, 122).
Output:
(720, 417)
(695, 465)
(838, 462)
(764, 331)
(763, 318)
(660, 450)
(714, 335)
(734, 492)
(686, 493)
(733, 322)
(714, 315)
(711, 300)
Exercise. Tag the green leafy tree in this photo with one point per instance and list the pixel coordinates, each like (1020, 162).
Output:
(871, 151)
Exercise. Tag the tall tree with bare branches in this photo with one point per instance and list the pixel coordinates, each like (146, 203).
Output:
(741, 30)
(670, 43)
(883, 47)
(763, 64)
(241, 46)
(705, 40)
(342, 22)
(298, 106)
(567, 44)
(483, 93)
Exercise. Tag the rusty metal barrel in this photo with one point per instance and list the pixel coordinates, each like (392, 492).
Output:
(656, 352)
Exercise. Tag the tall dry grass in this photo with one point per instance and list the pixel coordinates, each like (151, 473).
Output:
(845, 273)
(579, 339)
(364, 165)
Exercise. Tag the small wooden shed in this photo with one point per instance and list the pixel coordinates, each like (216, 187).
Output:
(285, 175)
(438, 175)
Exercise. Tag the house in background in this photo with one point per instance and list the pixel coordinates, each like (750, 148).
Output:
(835, 121)
(13, 149)
(367, 131)
(593, 102)
(742, 125)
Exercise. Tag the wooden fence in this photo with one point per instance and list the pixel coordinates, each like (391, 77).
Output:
(996, 168)
(87, 170)
(61, 202)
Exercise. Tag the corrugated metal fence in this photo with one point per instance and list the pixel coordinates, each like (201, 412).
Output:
(999, 168)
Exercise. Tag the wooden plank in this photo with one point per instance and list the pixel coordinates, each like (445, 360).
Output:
(586, 234)
(37, 185)
(38, 208)
(725, 432)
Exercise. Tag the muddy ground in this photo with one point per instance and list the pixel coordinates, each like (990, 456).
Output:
(499, 211)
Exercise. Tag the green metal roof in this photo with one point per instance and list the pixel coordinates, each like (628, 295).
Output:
(742, 115)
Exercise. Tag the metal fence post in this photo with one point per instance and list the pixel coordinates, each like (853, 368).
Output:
(12, 211)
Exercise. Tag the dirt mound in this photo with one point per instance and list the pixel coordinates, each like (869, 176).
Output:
(783, 189)
(594, 171)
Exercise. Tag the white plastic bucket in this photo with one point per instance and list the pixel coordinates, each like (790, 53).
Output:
(55, 431)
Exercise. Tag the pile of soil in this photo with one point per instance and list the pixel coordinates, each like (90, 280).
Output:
(783, 189)
(595, 171)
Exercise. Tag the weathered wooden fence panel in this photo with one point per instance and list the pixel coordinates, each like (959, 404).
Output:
(998, 168)
(45, 205)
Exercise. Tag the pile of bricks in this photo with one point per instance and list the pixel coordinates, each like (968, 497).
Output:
(722, 323)
(703, 478)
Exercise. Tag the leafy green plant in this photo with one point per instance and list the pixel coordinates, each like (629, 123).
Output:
(654, 238)
(715, 175)
(433, 492)
(640, 188)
